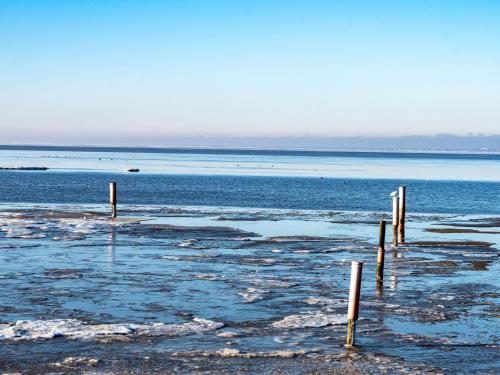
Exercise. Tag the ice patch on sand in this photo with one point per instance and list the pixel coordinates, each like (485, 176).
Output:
(76, 329)
(253, 294)
(309, 320)
(272, 283)
(235, 353)
(77, 361)
(323, 301)
(19, 231)
(55, 227)
(171, 257)
(228, 334)
(191, 243)
(208, 276)
(477, 255)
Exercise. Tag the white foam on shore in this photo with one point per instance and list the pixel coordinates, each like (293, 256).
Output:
(68, 228)
(309, 320)
(324, 301)
(76, 329)
(191, 243)
(17, 228)
(272, 283)
(171, 257)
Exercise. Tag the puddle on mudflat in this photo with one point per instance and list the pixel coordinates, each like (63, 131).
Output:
(183, 286)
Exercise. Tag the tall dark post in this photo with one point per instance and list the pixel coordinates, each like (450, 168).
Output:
(381, 251)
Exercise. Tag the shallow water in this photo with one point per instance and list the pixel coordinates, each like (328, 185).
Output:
(300, 193)
(301, 180)
(207, 288)
(231, 262)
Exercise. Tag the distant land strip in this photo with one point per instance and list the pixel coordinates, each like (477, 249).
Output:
(434, 144)
(269, 152)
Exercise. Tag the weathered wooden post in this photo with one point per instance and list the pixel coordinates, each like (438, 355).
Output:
(395, 219)
(381, 251)
(401, 216)
(354, 294)
(112, 198)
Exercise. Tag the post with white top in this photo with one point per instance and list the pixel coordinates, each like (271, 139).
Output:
(354, 294)
(401, 216)
(112, 198)
(395, 219)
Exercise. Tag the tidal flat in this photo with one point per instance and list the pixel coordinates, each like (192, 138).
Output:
(176, 289)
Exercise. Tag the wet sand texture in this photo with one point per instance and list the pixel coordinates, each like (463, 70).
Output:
(148, 293)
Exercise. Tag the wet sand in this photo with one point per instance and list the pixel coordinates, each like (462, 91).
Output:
(171, 290)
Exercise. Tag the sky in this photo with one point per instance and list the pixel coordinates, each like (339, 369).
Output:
(145, 71)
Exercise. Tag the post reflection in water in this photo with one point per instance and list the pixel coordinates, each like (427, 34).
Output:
(111, 246)
(393, 278)
(379, 288)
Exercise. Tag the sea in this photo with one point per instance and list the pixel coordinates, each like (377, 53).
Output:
(351, 181)
(238, 261)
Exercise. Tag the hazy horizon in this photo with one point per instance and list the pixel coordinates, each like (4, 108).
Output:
(440, 142)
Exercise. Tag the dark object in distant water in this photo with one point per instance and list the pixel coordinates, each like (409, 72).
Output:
(23, 168)
(131, 170)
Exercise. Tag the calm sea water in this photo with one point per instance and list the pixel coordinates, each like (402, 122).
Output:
(459, 197)
(437, 183)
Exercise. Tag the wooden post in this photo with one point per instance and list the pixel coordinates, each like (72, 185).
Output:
(381, 251)
(112, 198)
(354, 294)
(395, 219)
(401, 216)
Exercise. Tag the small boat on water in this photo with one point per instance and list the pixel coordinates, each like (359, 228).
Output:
(131, 170)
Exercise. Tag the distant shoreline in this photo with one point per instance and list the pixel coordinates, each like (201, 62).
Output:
(319, 152)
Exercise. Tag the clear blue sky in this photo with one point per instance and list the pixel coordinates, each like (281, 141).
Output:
(152, 69)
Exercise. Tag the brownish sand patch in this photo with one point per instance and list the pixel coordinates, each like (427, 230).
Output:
(449, 243)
